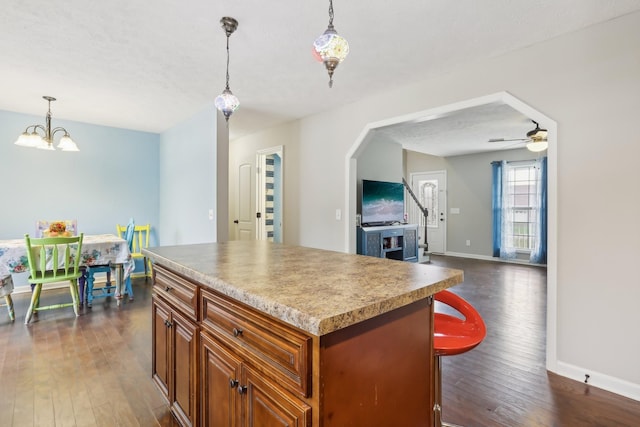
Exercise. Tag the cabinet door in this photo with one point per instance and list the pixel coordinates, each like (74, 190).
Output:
(268, 405)
(161, 342)
(220, 400)
(184, 334)
(410, 244)
(373, 244)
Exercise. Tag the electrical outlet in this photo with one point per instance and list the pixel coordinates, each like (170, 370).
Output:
(468, 242)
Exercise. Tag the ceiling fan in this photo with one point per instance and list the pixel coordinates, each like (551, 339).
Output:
(536, 139)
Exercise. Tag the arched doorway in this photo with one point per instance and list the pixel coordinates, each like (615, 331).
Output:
(501, 97)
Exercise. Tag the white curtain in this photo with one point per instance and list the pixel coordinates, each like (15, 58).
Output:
(507, 250)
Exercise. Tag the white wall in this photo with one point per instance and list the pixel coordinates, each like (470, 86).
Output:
(244, 151)
(589, 83)
(381, 160)
(188, 180)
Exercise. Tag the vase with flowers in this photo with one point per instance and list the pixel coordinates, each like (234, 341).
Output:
(57, 229)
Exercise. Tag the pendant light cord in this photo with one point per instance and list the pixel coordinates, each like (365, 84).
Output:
(331, 13)
(227, 61)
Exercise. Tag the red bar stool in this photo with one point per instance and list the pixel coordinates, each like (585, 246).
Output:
(453, 335)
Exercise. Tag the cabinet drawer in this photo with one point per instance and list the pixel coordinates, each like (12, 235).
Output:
(273, 348)
(176, 290)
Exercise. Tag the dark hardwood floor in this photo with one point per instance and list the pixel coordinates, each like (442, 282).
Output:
(503, 381)
(95, 370)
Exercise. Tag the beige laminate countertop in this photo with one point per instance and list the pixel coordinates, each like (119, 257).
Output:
(315, 290)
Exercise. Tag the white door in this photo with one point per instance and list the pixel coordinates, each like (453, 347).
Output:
(431, 190)
(245, 222)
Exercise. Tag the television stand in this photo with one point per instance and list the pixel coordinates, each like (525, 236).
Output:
(399, 242)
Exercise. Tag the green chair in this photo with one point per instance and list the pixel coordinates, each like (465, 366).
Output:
(140, 240)
(53, 259)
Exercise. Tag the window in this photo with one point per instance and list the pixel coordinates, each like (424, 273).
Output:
(521, 188)
(519, 205)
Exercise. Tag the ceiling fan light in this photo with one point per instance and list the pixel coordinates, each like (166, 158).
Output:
(537, 133)
(537, 145)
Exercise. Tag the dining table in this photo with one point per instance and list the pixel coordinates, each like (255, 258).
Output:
(97, 249)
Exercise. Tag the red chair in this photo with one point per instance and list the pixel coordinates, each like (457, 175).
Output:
(453, 335)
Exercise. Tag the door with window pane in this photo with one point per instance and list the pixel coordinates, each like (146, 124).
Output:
(431, 189)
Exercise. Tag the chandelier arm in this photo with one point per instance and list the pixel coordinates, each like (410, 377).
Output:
(40, 127)
(58, 129)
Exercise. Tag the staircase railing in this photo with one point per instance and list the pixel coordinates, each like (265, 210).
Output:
(415, 210)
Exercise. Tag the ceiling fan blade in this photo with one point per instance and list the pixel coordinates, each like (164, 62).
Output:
(507, 140)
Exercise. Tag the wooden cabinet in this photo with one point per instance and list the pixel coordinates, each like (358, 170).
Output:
(175, 344)
(254, 369)
(398, 242)
(236, 395)
(220, 378)
(222, 363)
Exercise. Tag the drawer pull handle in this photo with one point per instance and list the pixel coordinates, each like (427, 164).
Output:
(242, 389)
(237, 332)
(233, 383)
(168, 288)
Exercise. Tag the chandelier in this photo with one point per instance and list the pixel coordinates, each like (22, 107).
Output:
(331, 48)
(45, 142)
(227, 102)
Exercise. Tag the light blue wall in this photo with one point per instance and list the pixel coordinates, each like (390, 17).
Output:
(113, 177)
(188, 181)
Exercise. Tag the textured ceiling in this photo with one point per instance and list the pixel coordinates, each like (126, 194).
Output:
(150, 65)
(464, 132)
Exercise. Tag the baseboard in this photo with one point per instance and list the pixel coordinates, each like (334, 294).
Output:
(491, 258)
(600, 380)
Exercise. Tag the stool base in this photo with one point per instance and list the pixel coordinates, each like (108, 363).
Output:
(437, 407)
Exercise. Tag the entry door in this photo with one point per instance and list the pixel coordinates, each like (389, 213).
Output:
(431, 189)
(246, 220)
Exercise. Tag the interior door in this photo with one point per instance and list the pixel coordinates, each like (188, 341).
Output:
(245, 226)
(431, 189)
(269, 194)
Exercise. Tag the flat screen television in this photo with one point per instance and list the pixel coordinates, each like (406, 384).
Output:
(382, 203)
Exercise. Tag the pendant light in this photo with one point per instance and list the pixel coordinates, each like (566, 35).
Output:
(33, 139)
(227, 102)
(331, 48)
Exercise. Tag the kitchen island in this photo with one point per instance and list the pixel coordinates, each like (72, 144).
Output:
(256, 333)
